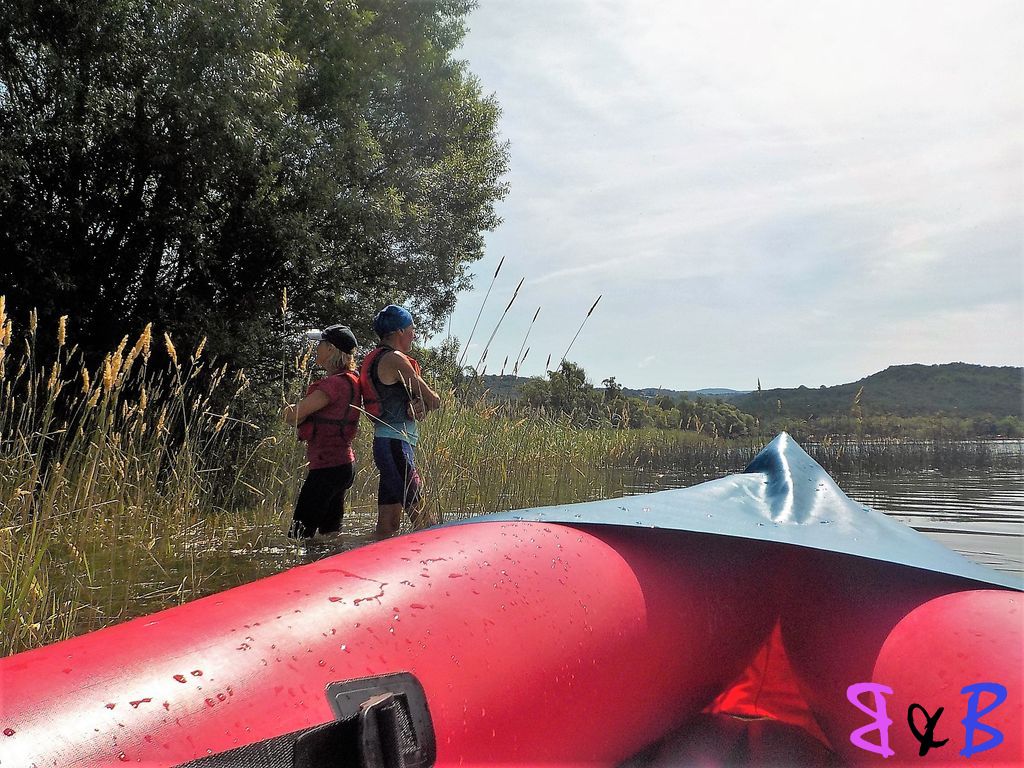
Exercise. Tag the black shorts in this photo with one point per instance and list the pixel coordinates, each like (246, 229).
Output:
(321, 501)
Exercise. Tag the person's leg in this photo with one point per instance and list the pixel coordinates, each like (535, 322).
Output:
(312, 497)
(389, 519)
(412, 497)
(389, 491)
(334, 509)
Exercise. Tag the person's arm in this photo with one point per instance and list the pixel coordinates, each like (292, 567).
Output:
(299, 412)
(396, 365)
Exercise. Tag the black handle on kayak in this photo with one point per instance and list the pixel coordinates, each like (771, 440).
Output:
(382, 722)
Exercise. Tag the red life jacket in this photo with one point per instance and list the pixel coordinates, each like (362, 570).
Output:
(348, 425)
(369, 380)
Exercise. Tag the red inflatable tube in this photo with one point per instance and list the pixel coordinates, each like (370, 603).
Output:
(849, 621)
(535, 643)
(942, 647)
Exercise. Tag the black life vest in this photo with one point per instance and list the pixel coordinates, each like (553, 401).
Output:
(371, 385)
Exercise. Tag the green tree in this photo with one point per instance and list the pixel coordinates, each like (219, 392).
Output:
(571, 393)
(612, 389)
(187, 162)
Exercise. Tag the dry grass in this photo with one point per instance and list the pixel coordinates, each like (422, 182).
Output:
(110, 476)
(126, 487)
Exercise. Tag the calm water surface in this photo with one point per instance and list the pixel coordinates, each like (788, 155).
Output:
(978, 513)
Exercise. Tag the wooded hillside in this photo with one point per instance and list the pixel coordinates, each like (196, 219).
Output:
(957, 389)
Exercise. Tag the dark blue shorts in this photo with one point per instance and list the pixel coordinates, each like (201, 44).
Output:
(399, 480)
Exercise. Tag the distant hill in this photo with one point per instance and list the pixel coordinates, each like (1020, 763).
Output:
(957, 389)
(507, 388)
(652, 392)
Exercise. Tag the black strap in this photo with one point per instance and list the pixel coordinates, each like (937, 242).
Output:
(383, 722)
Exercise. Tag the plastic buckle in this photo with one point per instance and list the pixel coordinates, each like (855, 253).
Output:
(395, 729)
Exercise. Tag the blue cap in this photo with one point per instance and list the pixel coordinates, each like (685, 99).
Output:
(390, 319)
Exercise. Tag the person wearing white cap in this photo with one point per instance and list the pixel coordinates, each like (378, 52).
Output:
(327, 419)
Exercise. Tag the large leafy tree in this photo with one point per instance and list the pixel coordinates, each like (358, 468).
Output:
(186, 161)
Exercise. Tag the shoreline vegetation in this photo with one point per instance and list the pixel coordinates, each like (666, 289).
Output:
(120, 480)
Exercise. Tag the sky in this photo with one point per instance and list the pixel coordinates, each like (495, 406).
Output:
(796, 193)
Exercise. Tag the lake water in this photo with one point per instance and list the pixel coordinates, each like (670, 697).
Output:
(978, 513)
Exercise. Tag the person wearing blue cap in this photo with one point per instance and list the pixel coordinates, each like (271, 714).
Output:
(327, 419)
(395, 397)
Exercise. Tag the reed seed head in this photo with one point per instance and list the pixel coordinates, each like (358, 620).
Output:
(143, 344)
(109, 372)
(170, 349)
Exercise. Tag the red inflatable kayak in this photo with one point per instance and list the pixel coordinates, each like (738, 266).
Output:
(640, 631)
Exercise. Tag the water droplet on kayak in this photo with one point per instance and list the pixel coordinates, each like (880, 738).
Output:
(135, 704)
(345, 648)
(321, 663)
(334, 599)
(197, 673)
(9, 731)
(111, 706)
(122, 757)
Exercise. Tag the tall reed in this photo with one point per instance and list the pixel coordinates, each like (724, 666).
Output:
(130, 485)
(113, 478)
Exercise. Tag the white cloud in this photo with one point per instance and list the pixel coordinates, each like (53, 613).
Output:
(735, 171)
